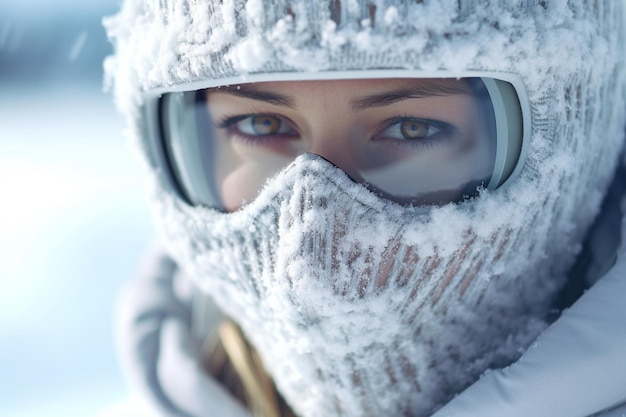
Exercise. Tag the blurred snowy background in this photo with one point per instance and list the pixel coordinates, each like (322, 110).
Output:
(73, 221)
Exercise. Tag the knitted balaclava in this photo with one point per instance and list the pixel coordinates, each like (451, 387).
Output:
(358, 306)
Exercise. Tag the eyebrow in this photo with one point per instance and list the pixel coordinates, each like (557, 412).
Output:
(253, 94)
(417, 91)
(423, 90)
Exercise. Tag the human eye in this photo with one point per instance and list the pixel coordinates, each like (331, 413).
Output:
(416, 130)
(258, 126)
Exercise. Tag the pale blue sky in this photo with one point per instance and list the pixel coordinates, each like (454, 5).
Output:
(73, 223)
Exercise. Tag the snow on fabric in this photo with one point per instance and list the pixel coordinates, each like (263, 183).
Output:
(360, 307)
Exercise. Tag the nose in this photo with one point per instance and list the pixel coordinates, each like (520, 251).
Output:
(338, 150)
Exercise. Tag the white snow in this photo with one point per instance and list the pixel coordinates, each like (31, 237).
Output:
(77, 46)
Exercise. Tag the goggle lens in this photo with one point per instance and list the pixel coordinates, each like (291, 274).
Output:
(413, 141)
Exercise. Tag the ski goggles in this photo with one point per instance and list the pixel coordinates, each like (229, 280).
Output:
(425, 139)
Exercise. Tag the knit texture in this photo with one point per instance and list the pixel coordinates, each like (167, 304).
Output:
(360, 307)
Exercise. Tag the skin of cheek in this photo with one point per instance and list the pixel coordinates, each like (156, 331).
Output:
(243, 181)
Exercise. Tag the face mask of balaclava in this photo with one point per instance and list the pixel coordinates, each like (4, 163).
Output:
(358, 306)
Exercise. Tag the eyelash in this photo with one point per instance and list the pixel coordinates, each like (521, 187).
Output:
(445, 134)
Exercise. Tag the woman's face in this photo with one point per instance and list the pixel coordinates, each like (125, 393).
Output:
(415, 141)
